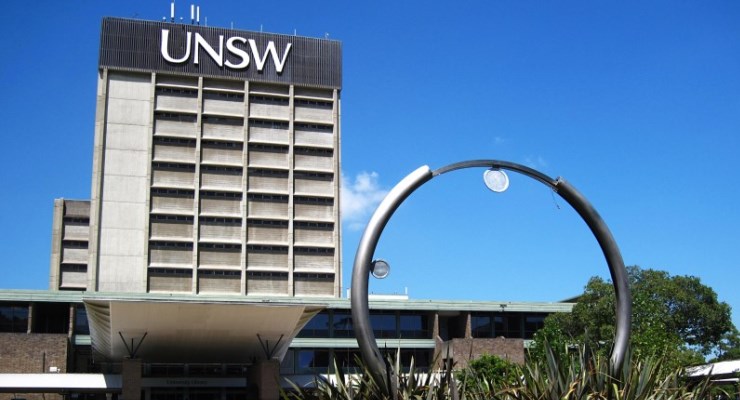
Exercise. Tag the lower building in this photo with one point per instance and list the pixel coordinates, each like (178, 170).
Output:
(72, 344)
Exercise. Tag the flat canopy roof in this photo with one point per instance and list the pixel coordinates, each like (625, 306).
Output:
(194, 332)
(53, 383)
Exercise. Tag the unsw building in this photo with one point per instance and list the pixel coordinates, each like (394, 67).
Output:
(207, 261)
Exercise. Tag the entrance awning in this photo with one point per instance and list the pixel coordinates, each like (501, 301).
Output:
(194, 332)
(56, 383)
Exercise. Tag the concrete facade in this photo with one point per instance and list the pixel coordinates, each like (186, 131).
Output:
(207, 184)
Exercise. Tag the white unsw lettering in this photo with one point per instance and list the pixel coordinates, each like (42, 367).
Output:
(231, 47)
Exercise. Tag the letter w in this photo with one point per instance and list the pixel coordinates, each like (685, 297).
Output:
(261, 60)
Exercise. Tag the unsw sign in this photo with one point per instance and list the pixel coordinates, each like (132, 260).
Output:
(207, 51)
(235, 46)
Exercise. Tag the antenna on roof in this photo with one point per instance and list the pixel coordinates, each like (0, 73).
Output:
(172, 11)
(192, 14)
(197, 15)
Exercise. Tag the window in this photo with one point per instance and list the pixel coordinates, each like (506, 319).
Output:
(271, 148)
(50, 318)
(221, 170)
(319, 226)
(514, 326)
(179, 92)
(273, 198)
(268, 124)
(268, 223)
(384, 324)
(311, 151)
(81, 324)
(328, 201)
(313, 360)
(170, 141)
(314, 127)
(413, 326)
(224, 221)
(533, 323)
(214, 144)
(255, 248)
(260, 99)
(322, 251)
(268, 172)
(222, 120)
(225, 96)
(14, 318)
(480, 326)
(318, 326)
(315, 103)
(348, 360)
(314, 176)
(342, 324)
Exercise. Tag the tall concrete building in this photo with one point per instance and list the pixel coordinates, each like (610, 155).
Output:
(215, 166)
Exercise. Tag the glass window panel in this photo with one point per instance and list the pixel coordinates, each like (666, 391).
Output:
(318, 326)
(384, 325)
(480, 326)
(414, 326)
(342, 324)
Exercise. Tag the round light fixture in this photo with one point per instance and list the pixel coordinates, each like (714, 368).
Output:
(380, 269)
(496, 180)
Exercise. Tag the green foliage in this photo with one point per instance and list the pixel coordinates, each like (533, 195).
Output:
(578, 375)
(676, 317)
(729, 347)
(496, 371)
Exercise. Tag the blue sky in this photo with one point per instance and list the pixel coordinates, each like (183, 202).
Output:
(637, 104)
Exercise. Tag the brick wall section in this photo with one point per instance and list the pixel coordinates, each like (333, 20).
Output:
(32, 353)
(463, 351)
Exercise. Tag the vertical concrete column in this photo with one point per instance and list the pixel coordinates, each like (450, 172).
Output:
(131, 378)
(56, 245)
(291, 191)
(265, 375)
(468, 326)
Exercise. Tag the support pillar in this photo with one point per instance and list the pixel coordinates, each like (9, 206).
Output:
(265, 376)
(131, 377)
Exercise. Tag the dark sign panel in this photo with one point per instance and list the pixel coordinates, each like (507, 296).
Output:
(138, 45)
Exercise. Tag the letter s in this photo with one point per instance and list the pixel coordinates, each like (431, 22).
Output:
(231, 48)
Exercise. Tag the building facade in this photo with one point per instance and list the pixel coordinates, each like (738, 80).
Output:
(215, 166)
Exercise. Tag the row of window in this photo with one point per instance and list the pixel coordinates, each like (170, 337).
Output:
(386, 325)
(239, 97)
(509, 325)
(47, 318)
(239, 121)
(322, 361)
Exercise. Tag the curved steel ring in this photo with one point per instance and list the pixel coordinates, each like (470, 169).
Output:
(369, 241)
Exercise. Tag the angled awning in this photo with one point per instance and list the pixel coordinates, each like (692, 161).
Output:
(194, 332)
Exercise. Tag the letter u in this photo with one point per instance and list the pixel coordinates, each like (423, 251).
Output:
(166, 53)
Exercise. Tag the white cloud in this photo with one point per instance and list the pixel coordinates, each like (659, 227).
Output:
(535, 162)
(360, 197)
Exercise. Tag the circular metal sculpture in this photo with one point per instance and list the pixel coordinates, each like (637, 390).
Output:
(369, 241)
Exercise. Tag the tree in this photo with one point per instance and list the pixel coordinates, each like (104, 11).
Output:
(729, 347)
(676, 317)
